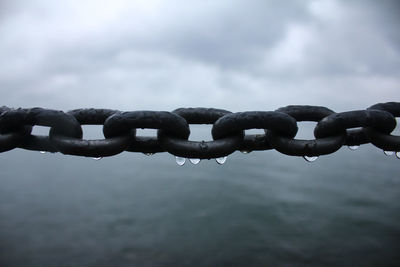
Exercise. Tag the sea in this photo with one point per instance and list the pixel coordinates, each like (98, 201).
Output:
(257, 209)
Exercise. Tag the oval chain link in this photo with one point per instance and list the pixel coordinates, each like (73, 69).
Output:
(296, 147)
(92, 148)
(200, 150)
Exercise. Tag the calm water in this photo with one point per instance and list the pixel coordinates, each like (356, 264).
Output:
(260, 209)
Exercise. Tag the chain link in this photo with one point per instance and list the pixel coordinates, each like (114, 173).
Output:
(333, 130)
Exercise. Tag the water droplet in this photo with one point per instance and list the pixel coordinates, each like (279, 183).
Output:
(221, 160)
(388, 153)
(180, 161)
(42, 152)
(203, 145)
(398, 154)
(149, 154)
(99, 158)
(194, 161)
(353, 147)
(310, 159)
(245, 151)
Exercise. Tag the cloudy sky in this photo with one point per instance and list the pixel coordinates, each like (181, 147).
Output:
(161, 55)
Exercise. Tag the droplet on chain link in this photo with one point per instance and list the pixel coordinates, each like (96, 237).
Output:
(98, 158)
(352, 148)
(245, 151)
(203, 145)
(42, 152)
(398, 154)
(388, 153)
(180, 161)
(221, 160)
(194, 161)
(310, 159)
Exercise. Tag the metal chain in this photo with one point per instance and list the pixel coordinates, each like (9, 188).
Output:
(333, 130)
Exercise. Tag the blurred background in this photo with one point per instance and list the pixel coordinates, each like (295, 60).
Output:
(257, 209)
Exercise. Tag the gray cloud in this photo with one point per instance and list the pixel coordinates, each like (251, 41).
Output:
(229, 54)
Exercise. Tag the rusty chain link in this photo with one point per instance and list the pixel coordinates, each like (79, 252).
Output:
(333, 130)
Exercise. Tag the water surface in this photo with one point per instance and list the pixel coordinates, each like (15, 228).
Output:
(258, 209)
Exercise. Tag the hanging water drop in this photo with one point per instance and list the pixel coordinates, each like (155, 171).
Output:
(245, 151)
(310, 159)
(98, 158)
(221, 160)
(388, 153)
(180, 161)
(398, 154)
(353, 147)
(42, 152)
(194, 161)
(149, 154)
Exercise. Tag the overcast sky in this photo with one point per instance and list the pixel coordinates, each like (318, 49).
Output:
(161, 55)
